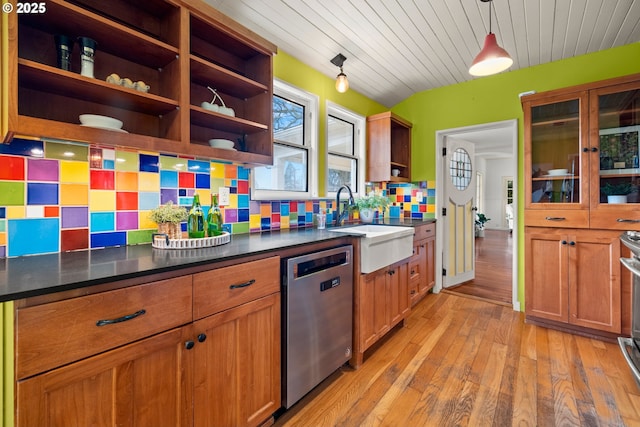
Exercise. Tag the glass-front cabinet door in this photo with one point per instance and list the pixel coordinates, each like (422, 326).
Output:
(556, 160)
(615, 171)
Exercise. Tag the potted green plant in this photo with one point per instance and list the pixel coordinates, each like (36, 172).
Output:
(168, 217)
(367, 205)
(617, 193)
(481, 220)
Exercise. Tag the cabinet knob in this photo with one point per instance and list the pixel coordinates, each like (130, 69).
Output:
(594, 149)
(572, 243)
(564, 242)
(189, 345)
(585, 150)
(202, 337)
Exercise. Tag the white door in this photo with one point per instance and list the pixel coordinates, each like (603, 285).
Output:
(458, 260)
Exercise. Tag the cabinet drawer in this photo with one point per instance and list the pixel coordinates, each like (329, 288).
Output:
(61, 332)
(611, 219)
(425, 231)
(557, 218)
(223, 288)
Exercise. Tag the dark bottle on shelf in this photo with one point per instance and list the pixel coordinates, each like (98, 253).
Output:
(195, 223)
(214, 218)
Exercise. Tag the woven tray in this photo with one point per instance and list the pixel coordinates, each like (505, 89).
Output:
(162, 241)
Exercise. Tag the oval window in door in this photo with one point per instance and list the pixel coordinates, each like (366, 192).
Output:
(460, 169)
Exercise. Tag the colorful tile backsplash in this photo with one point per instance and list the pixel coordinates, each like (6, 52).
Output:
(73, 196)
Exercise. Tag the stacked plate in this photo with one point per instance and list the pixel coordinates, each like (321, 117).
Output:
(101, 122)
(224, 144)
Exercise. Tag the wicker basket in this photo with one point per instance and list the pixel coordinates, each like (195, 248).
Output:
(162, 241)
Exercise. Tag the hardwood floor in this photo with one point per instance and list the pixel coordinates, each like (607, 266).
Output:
(494, 258)
(459, 361)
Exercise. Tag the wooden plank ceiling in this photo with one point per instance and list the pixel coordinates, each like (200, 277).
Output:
(395, 48)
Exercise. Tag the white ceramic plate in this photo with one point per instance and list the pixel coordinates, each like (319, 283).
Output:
(553, 172)
(103, 122)
(106, 128)
(221, 143)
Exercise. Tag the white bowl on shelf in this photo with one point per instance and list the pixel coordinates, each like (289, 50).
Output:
(101, 122)
(555, 172)
(225, 144)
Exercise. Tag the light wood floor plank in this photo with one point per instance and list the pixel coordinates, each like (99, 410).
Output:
(464, 362)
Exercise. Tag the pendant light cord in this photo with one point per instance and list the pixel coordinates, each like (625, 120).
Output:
(490, 3)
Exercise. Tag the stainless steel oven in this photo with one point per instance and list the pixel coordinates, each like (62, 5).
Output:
(631, 346)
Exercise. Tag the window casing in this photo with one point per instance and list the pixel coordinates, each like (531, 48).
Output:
(345, 150)
(295, 134)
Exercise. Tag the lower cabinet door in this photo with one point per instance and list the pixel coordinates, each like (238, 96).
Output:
(594, 289)
(546, 275)
(373, 312)
(398, 293)
(237, 365)
(140, 384)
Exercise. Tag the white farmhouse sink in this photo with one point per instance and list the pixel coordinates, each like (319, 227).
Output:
(380, 245)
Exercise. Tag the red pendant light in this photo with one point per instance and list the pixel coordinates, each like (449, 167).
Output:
(492, 58)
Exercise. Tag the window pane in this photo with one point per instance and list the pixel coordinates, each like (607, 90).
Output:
(289, 170)
(340, 136)
(342, 170)
(288, 121)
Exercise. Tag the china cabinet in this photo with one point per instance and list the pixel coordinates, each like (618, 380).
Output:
(581, 145)
(389, 148)
(177, 48)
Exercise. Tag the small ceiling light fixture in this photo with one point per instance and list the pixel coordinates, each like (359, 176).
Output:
(492, 58)
(342, 84)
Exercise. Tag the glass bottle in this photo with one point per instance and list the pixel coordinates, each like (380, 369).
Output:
(214, 218)
(195, 224)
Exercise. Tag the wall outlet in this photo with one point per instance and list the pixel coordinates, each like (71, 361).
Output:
(419, 196)
(223, 196)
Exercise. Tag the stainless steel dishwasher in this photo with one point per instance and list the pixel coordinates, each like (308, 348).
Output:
(317, 295)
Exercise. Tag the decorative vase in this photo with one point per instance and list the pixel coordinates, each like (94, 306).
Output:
(173, 230)
(367, 214)
(617, 199)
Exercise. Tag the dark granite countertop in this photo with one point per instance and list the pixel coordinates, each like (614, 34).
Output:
(29, 276)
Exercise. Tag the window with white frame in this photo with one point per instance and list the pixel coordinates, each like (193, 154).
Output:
(295, 134)
(345, 149)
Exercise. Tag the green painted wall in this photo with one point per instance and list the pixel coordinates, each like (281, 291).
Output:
(495, 98)
(290, 70)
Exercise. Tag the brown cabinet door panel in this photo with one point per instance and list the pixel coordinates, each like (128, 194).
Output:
(595, 281)
(237, 374)
(141, 384)
(546, 276)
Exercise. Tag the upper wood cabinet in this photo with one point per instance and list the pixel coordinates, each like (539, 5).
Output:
(388, 148)
(178, 48)
(581, 144)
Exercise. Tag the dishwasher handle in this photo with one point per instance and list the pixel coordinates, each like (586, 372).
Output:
(313, 265)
